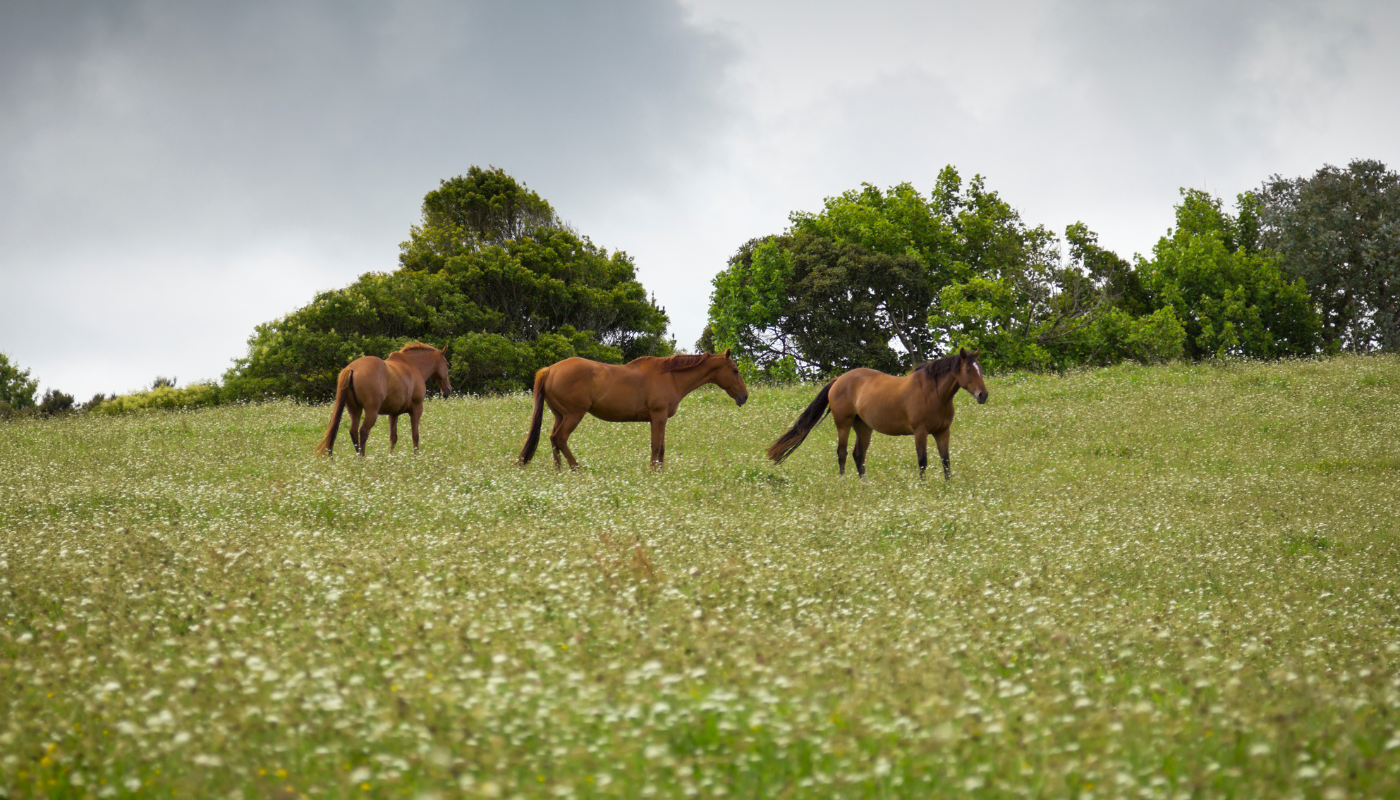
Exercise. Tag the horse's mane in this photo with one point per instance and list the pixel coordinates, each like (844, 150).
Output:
(683, 362)
(416, 346)
(939, 366)
(676, 363)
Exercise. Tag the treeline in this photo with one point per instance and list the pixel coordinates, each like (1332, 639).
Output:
(884, 279)
(888, 279)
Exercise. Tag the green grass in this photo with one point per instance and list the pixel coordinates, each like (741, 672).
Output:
(1167, 582)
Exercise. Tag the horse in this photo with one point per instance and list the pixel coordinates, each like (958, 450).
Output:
(648, 389)
(394, 385)
(920, 403)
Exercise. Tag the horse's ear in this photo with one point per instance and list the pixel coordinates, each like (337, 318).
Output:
(976, 354)
(445, 348)
(726, 353)
(963, 353)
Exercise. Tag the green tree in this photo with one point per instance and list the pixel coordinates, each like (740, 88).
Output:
(888, 279)
(485, 207)
(1231, 297)
(16, 387)
(492, 273)
(1339, 231)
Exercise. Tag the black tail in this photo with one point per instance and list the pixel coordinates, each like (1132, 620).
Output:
(533, 440)
(790, 441)
(341, 392)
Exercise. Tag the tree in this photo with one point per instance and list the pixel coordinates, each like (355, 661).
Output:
(485, 207)
(887, 279)
(16, 387)
(1339, 231)
(488, 269)
(55, 402)
(1231, 296)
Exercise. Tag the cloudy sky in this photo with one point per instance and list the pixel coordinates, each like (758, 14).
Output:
(172, 174)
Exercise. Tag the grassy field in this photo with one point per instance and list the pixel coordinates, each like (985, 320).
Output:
(1140, 582)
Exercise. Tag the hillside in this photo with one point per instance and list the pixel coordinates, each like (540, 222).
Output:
(1140, 582)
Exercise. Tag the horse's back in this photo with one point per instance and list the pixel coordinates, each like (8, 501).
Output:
(879, 399)
(614, 392)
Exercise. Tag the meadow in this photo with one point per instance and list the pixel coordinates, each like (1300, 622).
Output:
(1167, 582)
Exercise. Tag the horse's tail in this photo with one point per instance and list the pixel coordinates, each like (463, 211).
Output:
(814, 414)
(533, 440)
(342, 391)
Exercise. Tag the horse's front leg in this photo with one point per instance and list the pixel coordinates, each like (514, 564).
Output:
(393, 431)
(415, 414)
(942, 438)
(658, 439)
(921, 450)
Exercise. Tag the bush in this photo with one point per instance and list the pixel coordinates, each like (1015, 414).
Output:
(55, 402)
(162, 397)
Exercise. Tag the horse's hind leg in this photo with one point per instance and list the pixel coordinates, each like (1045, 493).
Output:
(843, 431)
(370, 417)
(393, 431)
(554, 438)
(559, 439)
(355, 428)
(862, 444)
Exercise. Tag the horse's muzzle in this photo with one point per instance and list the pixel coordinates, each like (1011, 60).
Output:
(981, 398)
(741, 400)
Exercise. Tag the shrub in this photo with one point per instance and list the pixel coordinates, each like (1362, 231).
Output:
(55, 402)
(163, 397)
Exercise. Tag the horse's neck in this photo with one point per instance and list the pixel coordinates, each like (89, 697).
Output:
(945, 387)
(691, 379)
(414, 362)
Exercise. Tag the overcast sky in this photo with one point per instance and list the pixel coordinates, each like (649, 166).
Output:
(173, 174)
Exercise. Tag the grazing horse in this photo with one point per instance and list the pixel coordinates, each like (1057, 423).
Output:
(648, 389)
(919, 403)
(394, 385)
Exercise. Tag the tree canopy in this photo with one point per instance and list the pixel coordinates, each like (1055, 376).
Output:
(888, 279)
(16, 387)
(1230, 295)
(490, 269)
(1339, 231)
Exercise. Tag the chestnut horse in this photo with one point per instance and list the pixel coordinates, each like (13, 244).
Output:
(920, 403)
(648, 389)
(395, 385)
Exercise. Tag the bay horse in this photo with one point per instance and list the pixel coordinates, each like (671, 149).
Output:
(920, 403)
(393, 386)
(648, 389)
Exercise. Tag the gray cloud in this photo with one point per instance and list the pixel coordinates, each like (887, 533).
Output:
(171, 175)
(153, 155)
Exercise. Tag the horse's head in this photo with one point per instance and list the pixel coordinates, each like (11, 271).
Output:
(440, 369)
(729, 379)
(969, 374)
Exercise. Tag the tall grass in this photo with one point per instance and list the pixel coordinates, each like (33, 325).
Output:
(1141, 582)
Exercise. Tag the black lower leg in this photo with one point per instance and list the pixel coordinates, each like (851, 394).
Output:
(947, 470)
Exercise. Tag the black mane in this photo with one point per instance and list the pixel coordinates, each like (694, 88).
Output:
(939, 367)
